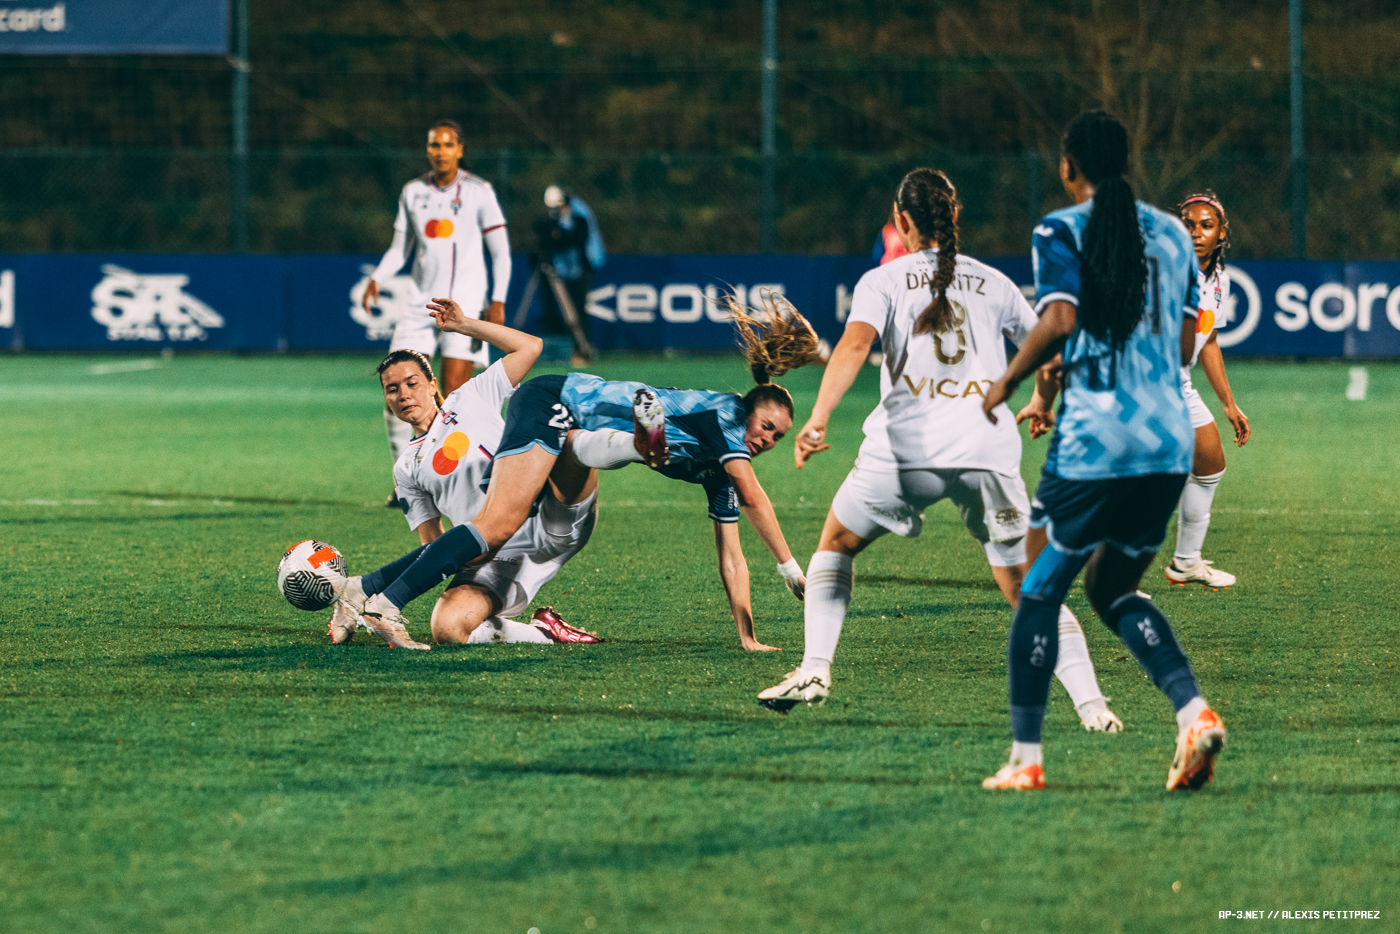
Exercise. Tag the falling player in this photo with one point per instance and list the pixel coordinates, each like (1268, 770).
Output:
(444, 218)
(926, 440)
(1209, 227)
(702, 437)
(440, 474)
(1114, 280)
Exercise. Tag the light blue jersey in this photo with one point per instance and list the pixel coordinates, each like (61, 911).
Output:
(703, 430)
(1123, 413)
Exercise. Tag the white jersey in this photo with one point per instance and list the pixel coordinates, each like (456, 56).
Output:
(442, 229)
(439, 473)
(1215, 290)
(932, 386)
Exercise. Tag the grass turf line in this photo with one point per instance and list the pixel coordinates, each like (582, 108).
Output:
(181, 750)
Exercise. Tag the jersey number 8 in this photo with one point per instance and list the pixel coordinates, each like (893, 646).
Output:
(959, 319)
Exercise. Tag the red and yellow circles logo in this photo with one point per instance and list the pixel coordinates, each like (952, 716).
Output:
(1206, 322)
(452, 451)
(436, 228)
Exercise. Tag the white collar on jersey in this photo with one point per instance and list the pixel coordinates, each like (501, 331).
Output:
(456, 181)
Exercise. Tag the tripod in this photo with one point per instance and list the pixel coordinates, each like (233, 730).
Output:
(545, 270)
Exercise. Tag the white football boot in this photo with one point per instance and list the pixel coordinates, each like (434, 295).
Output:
(1182, 572)
(348, 607)
(385, 620)
(809, 687)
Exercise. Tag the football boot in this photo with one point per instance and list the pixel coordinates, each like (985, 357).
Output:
(1196, 749)
(547, 619)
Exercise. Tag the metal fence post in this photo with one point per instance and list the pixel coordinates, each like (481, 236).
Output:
(768, 76)
(238, 196)
(1033, 186)
(1298, 163)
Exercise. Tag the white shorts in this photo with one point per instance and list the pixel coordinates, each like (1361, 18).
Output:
(534, 554)
(994, 506)
(417, 330)
(1200, 414)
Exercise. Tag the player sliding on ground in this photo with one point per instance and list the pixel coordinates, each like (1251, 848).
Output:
(1114, 279)
(1209, 227)
(440, 472)
(698, 436)
(926, 440)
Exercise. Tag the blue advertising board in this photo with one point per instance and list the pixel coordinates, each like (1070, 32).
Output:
(314, 302)
(113, 27)
(138, 300)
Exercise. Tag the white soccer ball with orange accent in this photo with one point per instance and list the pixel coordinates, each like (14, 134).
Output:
(311, 575)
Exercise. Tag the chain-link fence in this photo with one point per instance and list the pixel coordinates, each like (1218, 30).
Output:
(305, 200)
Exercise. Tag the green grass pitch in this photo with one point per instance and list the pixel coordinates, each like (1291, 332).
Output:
(182, 751)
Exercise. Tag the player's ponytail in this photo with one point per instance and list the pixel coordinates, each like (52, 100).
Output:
(410, 356)
(931, 202)
(1113, 269)
(775, 339)
(1211, 200)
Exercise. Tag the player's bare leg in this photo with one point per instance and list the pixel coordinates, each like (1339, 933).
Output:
(1193, 517)
(454, 374)
(509, 501)
(467, 613)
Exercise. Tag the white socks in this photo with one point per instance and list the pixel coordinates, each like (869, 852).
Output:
(494, 629)
(1074, 668)
(1194, 517)
(400, 433)
(828, 595)
(604, 449)
(1023, 754)
(1186, 715)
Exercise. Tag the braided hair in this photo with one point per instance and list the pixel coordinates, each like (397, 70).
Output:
(1113, 269)
(775, 339)
(410, 356)
(932, 203)
(1212, 200)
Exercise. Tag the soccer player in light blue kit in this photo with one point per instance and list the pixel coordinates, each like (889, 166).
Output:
(1114, 279)
(702, 437)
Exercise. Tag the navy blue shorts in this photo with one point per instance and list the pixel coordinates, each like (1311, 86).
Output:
(1128, 513)
(537, 416)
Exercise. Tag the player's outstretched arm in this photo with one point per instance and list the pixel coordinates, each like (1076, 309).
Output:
(734, 573)
(850, 354)
(1045, 340)
(759, 511)
(1213, 362)
(521, 349)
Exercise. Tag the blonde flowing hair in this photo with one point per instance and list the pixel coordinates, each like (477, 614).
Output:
(775, 338)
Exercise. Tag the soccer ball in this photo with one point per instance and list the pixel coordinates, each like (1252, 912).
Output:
(311, 575)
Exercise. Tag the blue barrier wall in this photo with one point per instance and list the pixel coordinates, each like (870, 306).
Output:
(71, 27)
(141, 301)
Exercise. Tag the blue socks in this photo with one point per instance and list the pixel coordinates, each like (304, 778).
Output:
(1148, 635)
(375, 581)
(435, 563)
(1031, 652)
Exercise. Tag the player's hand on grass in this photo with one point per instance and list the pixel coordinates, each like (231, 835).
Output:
(810, 440)
(1240, 424)
(449, 315)
(371, 294)
(753, 645)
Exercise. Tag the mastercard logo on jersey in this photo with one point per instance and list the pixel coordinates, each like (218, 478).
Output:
(454, 448)
(437, 228)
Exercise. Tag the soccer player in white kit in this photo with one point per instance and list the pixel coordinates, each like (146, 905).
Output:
(1209, 227)
(444, 219)
(440, 473)
(928, 439)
